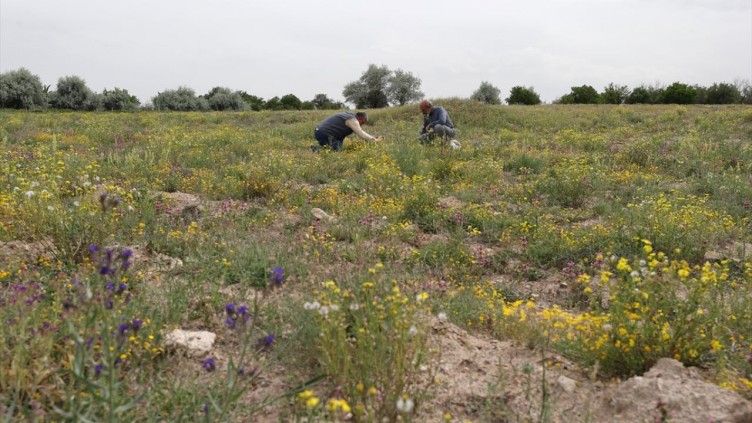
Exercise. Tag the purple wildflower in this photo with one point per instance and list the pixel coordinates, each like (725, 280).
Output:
(209, 364)
(230, 309)
(230, 322)
(98, 369)
(278, 275)
(268, 340)
(136, 324)
(123, 328)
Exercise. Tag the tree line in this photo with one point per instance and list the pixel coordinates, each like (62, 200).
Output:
(377, 87)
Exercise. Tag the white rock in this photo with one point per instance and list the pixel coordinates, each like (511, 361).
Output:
(320, 214)
(196, 342)
(567, 384)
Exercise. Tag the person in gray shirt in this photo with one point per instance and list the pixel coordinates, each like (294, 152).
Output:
(436, 123)
(331, 132)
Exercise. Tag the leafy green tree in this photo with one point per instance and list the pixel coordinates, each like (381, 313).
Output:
(20, 89)
(72, 93)
(273, 104)
(256, 103)
(403, 88)
(523, 95)
(119, 99)
(615, 94)
(307, 105)
(746, 91)
(645, 95)
(584, 94)
(723, 93)
(323, 102)
(370, 90)
(182, 99)
(291, 102)
(487, 93)
(221, 98)
(678, 93)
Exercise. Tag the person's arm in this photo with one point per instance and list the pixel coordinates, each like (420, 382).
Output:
(440, 118)
(355, 126)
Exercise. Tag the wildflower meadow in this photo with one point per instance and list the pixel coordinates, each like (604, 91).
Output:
(611, 235)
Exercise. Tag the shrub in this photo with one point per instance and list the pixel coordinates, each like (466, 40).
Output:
(645, 95)
(119, 99)
(220, 98)
(650, 307)
(615, 94)
(363, 326)
(487, 93)
(20, 89)
(523, 95)
(182, 99)
(584, 94)
(290, 102)
(678, 93)
(72, 93)
(723, 93)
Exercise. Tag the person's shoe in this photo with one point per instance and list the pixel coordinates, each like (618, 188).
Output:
(315, 148)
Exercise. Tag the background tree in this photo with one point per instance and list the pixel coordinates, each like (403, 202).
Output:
(256, 103)
(584, 94)
(678, 93)
(723, 93)
(20, 89)
(72, 93)
(323, 102)
(523, 95)
(746, 90)
(615, 94)
(370, 90)
(119, 99)
(221, 98)
(403, 88)
(645, 95)
(290, 102)
(182, 99)
(273, 104)
(487, 93)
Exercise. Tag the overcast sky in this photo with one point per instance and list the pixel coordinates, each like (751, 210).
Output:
(305, 47)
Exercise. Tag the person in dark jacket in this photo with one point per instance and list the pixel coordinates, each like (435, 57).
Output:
(331, 132)
(436, 123)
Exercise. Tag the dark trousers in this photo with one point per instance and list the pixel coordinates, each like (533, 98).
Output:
(328, 140)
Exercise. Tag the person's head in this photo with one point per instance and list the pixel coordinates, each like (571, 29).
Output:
(362, 117)
(426, 107)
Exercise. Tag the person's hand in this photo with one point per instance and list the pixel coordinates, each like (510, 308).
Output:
(379, 138)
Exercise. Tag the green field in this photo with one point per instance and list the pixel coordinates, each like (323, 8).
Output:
(613, 235)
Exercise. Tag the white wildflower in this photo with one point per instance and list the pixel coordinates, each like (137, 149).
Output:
(405, 405)
(312, 306)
